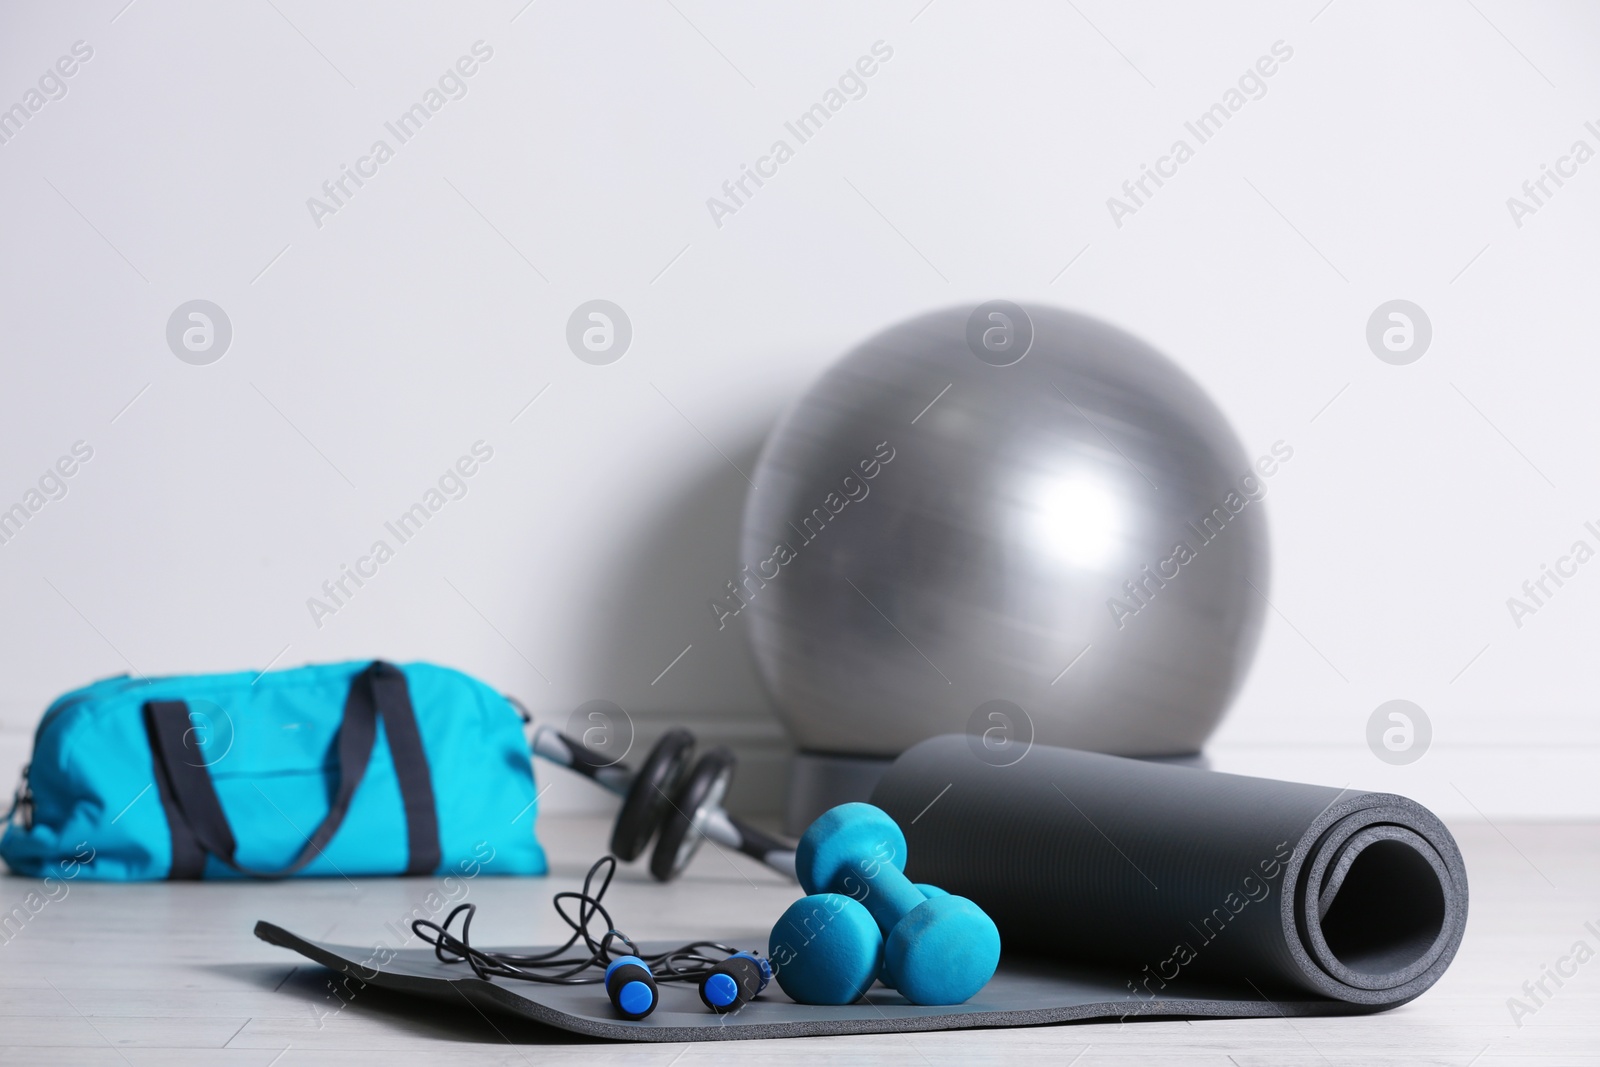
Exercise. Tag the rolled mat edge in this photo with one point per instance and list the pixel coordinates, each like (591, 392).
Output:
(1171, 875)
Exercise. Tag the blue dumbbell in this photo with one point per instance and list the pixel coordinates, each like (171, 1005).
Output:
(937, 950)
(826, 949)
(928, 891)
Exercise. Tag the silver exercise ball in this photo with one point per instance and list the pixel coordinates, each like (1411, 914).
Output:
(939, 524)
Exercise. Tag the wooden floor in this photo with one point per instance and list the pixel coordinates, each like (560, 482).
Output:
(170, 974)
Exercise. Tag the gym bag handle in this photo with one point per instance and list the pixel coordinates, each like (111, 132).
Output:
(200, 826)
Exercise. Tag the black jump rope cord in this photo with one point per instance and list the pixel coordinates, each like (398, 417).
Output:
(685, 963)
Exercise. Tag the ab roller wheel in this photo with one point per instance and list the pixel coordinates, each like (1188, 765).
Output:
(683, 828)
(650, 797)
(673, 798)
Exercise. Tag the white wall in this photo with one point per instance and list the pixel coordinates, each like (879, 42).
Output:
(371, 351)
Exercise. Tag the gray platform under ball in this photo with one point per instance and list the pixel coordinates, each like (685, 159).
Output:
(1022, 993)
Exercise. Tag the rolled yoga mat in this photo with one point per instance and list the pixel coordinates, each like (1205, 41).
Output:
(1165, 876)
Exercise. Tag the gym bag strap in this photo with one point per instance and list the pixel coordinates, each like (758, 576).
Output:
(200, 826)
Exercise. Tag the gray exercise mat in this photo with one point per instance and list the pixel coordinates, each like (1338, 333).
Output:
(1022, 993)
(1122, 889)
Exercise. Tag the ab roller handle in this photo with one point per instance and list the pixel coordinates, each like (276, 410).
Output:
(557, 747)
(727, 830)
(684, 804)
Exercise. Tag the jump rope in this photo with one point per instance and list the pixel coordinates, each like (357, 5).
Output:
(726, 980)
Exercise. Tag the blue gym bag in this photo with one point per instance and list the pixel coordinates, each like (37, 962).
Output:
(339, 770)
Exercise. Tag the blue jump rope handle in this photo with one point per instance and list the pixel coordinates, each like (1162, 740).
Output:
(735, 982)
(631, 987)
